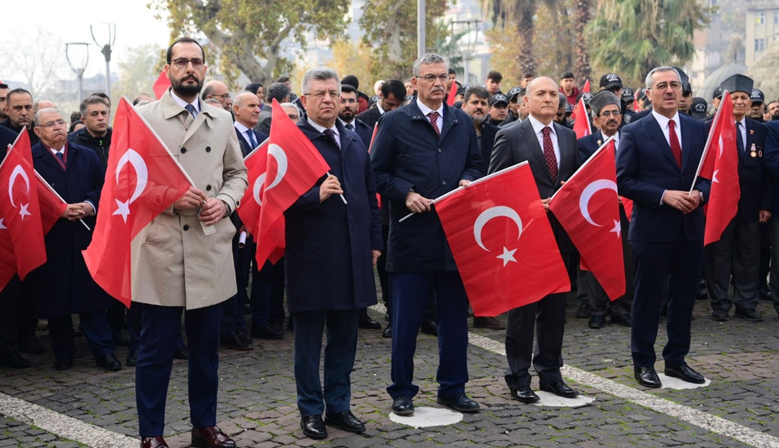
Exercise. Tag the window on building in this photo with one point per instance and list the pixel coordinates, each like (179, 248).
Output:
(760, 18)
(759, 44)
(776, 17)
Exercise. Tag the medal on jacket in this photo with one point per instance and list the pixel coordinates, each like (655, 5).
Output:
(753, 151)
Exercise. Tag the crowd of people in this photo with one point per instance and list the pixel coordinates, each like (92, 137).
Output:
(409, 143)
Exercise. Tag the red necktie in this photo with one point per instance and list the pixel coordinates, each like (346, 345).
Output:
(551, 160)
(675, 148)
(434, 121)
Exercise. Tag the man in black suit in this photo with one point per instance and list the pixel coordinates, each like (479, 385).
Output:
(738, 249)
(607, 117)
(552, 152)
(656, 164)
(392, 94)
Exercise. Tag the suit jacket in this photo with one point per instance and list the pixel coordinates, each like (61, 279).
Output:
(364, 131)
(771, 160)
(246, 146)
(328, 259)
(408, 154)
(33, 137)
(589, 144)
(7, 137)
(646, 167)
(63, 284)
(174, 262)
(518, 143)
(487, 142)
(265, 119)
(754, 181)
(370, 116)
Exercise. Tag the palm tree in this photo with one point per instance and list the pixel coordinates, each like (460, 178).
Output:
(582, 18)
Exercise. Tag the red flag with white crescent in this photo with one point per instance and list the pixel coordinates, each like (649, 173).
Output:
(581, 125)
(161, 84)
(142, 181)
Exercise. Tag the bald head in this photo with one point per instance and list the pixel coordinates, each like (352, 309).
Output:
(218, 91)
(542, 99)
(246, 109)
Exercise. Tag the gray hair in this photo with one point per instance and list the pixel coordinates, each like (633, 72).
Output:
(662, 68)
(291, 105)
(46, 110)
(428, 58)
(88, 102)
(319, 74)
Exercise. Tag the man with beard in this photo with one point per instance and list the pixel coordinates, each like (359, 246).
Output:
(773, 110)
(178, 268)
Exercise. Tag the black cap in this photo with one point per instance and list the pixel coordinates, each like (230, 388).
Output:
(737, 83)
(568, 108)
(610, 80)
(757, 96)
(717, 93)
(686, 87)
(627, 94)
(698, 108)
(499, 98)
(586, 96)
(515, 91)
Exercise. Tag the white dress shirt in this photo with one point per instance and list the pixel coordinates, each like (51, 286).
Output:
(662, 120)
(538, 128)
(321, 130)
(426, 111)
(183, 103)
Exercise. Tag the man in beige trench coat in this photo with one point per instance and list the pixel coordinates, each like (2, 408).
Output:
(183, 260)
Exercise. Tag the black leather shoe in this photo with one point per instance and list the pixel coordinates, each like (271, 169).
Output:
(28, 343)
(313, 427)
(597, 322)
(367, 323)
(211, 437)
(14, 360)
(181, 352)
(720, 316)
(647, 377)
(403, 406)
(685, 373)
(236, 343)
(346, 421)
(109, 363)
(132, 358)
(765, 294)
(153, 442)
(583, 311)
(459, 402)
(429, 327)
(525, 394)
(749, 315)
(387, 333)
(63, 362)
(244, 335)
(266, 332)
(560, 389)
(622, 319)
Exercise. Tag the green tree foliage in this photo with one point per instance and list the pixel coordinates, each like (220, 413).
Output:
(630, 37)
(251, 34)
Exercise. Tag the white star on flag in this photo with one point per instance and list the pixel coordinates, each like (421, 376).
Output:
(2, 226)
(123, 210)
(23, 211)
(714, 176)
(617, 229)
(506, 256)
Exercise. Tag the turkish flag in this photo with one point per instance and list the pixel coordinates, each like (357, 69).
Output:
(20, 208)
(7, 257)
(627, 204)
(51, 204)
(502, 242)
(586, 88)
(142, 180)
(581, 124)
(161, 84)
(288, 166)
(719, 163)
(587, 207)
(452, 94)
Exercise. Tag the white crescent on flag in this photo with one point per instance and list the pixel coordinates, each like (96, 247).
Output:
(584, 201)
(258, 187)
(495, 212)
(18, 171)
(141, 176)
(281, 160)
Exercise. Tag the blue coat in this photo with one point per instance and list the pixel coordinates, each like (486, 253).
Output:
(7, 137)
(408, 154)
(771, 155)
(328, 260)
(589, 144)
(63, 284)
(646, 167)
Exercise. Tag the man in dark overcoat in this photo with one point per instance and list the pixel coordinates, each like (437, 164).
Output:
(332, 247)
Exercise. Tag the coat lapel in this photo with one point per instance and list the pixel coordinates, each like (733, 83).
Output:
(449, 121)
(531, 140)
(686, 136)
(566, 153)
(40, 152)
(653, 127)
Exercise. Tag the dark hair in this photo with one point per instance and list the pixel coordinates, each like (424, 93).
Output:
(277, 91)
(75, 117)
(252, 87)
(183, 40)
(18, 91)
(106, 98)
(528, 75)
(348, 89)
(94, 99)
(567, 75)
(495, 76)
(479, 91)
(283, 79)
(393, 87)
(73, 124)
(452, 71)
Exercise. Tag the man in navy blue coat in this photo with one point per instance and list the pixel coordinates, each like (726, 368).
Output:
(421, 151)
(63, 284)
(332, 247)
(771, 156)
(656, 164)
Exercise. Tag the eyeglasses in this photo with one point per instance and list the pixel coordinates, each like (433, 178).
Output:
(432, 78)
(226, 96)
(181, 63)
(610, 113)
(348, 100)
(293, 117)
(675, 85)
(320, 94)
(51, 124)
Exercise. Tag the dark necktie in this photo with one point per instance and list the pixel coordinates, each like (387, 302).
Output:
(331, 135)
(191, 109)
(434, 121)
(350, 127)
(252, 140)
(739, 139)
(676, 149)
(60, 156)
(551, 159)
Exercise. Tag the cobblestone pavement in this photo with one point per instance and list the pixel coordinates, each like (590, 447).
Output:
(257, 393)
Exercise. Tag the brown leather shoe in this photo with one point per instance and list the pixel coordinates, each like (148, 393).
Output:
(211, 437)
(153, 442)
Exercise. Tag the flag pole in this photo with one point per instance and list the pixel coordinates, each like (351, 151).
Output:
(46, 184)
(598, 151)
(708, 144)
(489, 176)
(254, 151)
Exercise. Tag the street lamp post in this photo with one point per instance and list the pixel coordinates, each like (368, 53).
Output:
(471, 28)
(78, 63)
(106, 50)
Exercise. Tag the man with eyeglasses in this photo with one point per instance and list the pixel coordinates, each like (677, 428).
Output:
(218, 91)
(657, 160)
(421, 151)
(607, 118)
(347, 116)
(19, 109)
(184, 262)
(391, 97)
